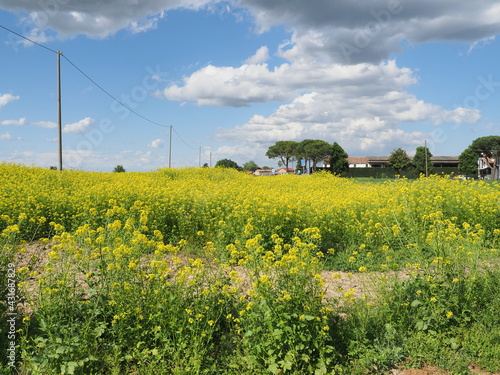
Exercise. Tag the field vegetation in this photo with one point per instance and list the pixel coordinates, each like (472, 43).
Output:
(212, 271)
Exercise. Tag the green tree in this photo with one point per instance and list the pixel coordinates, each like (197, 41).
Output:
(338, 159)
(283, 150)
(399, 160)
(467, 162)
(421, 162)
(119, 169)
(313, 151)
(227, 163)
(250, 166)
(487, 147)
(299, 168)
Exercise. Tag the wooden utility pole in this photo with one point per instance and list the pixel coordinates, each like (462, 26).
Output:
(170, 149)
(59, 117)
(426, 153)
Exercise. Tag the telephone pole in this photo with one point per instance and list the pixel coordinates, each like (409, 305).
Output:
(426, 153)
(59, 118)
(170, 149)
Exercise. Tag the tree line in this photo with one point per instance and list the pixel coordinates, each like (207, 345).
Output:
(487, 148)
(309, 152)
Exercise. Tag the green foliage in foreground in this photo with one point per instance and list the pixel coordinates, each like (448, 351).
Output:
(163, 273)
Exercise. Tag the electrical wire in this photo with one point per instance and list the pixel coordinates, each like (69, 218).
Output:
(86, 76)
(96, 84)
(28, 39)
(182, 140)
(111, 96)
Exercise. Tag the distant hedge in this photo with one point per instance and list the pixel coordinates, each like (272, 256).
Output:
(389, 173)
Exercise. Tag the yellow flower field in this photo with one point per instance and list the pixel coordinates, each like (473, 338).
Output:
(213, 271)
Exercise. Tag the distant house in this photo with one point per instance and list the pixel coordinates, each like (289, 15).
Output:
(358, 162)
(362, 161)
(487, 168)
(263, 172)
(445, 161)
(285, 171)
(383, 161)
(378, 161)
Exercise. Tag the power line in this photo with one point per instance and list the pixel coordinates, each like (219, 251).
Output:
(182, 140)
(28, 39)
(111, 96)
(100, 88)
(86, 76)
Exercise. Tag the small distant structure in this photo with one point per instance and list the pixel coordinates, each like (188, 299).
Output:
(263, 172)
(285, 171)
(488, 168)
(357, 162)
(383, 161)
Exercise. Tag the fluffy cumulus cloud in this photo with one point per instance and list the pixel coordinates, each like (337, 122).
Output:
(8, 137)
(337, 81)
(96, 18)
(344, 31)
(157, 143)
(41, 124)
(79, 127)
(19, 122)
(250, 83)
(361, 105)
(262, 55)
(352, 31)
(6, 99)
(361, 124)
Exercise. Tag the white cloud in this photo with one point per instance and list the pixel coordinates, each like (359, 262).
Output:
(348, 31)
(336, 84)
(19, 122)
(8, 137)
(23, 121)
(96, 18)
(343, 31)
(361, 105)
(359, 124)
(480, 43)
(142, 26)
(157, 143)
(262, 55)
(94, 160)
(79, 127)
(45, 124)
(227, 86)
(6, 99)
(5, 136)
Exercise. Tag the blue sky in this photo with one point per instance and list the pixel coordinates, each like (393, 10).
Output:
(234, 77)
